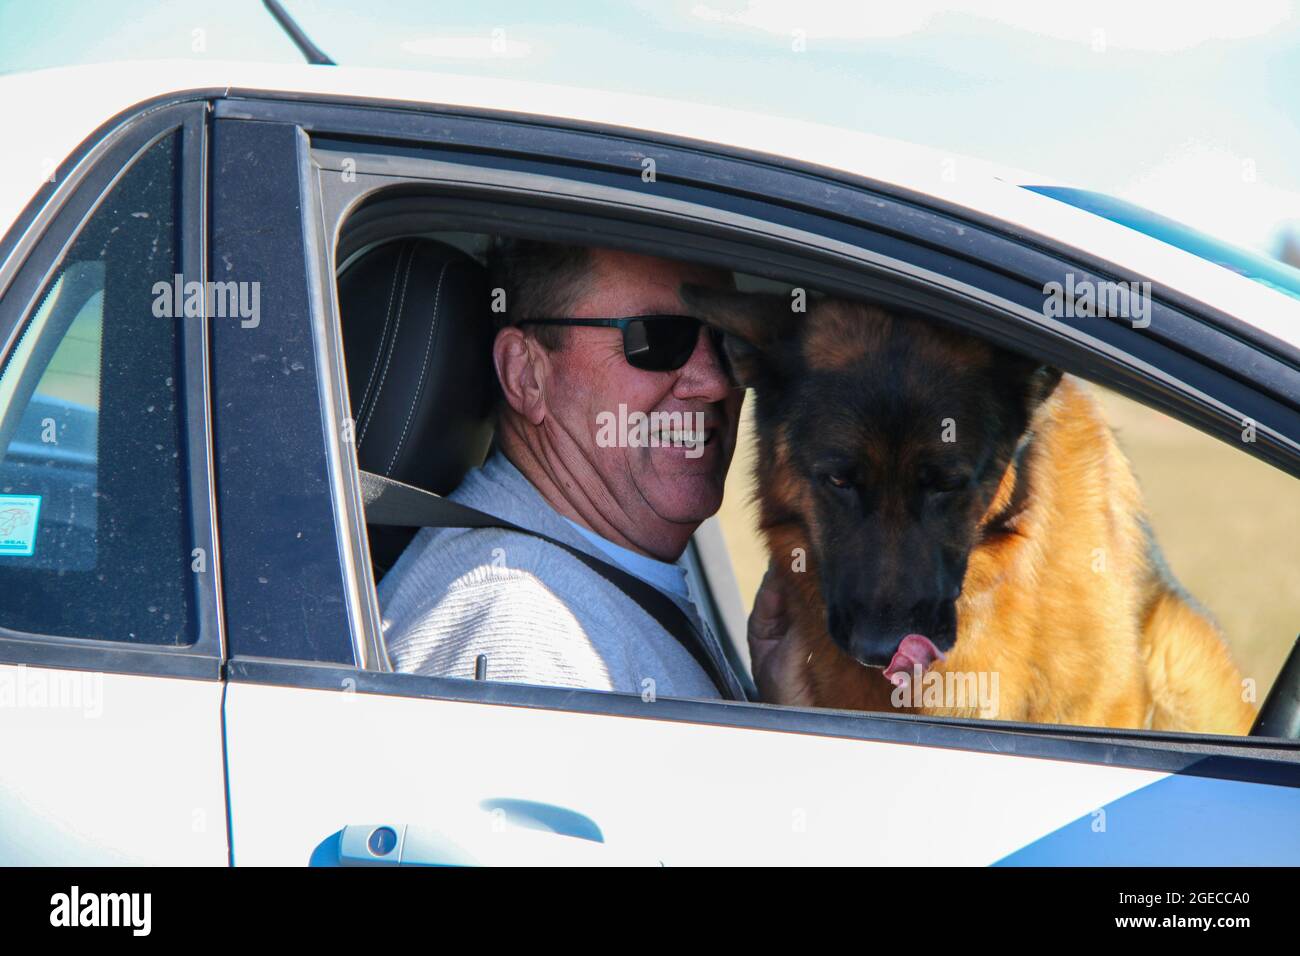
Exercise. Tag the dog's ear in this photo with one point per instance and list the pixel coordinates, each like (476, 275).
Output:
(1040, 384)
(1032, 382)
(759, 329)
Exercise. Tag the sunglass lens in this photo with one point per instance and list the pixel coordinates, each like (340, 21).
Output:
(660, 345)
(719, 341)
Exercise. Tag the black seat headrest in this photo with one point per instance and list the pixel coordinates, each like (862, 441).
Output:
(417, 335)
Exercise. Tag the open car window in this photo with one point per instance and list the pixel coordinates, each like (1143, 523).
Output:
(375, 200)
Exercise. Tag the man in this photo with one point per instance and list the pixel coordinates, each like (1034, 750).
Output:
(537, 613)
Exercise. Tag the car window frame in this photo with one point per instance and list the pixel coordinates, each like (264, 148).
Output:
(34, 250)
(326, 125)
(289, 583)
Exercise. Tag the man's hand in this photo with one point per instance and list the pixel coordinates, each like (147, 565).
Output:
(772, 646)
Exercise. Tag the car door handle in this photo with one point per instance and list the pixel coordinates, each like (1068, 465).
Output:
(500, 832)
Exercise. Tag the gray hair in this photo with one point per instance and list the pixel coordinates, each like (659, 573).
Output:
(540, 280)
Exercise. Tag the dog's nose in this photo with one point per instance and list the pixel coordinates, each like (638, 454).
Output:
(871, 635)
(874, 644)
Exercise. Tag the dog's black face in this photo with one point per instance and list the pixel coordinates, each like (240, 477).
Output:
(887, 438)
(901, 453)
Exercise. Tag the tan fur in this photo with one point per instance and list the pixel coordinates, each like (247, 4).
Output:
(1069, 613)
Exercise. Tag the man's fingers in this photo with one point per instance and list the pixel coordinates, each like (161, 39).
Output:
(770, 598)
(767, 620)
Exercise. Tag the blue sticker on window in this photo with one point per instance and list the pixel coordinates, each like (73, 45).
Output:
(18, 517)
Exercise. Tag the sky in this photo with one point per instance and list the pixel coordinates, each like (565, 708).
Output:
(1189, 108)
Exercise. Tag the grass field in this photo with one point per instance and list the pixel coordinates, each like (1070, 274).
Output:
(1229, 526)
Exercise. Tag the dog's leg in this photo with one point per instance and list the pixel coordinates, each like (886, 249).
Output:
(1194, 684)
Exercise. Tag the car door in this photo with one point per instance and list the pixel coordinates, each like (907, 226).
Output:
(110, 721)
(332, 759)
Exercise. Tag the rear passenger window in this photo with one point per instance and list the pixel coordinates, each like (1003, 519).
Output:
(94, 534)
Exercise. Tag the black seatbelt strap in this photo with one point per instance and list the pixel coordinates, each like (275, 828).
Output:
(393, 503)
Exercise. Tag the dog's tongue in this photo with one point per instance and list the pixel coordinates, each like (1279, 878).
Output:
(914, 651)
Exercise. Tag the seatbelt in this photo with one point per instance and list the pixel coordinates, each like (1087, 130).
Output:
(395, 504)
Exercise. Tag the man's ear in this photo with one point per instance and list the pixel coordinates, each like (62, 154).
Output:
(759, 328)
(519, 362)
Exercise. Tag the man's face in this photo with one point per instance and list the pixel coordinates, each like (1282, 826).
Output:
(590, 379)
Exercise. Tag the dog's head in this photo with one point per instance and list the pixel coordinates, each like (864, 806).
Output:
(885, 438)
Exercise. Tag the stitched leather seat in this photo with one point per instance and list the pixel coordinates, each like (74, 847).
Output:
(417, 338)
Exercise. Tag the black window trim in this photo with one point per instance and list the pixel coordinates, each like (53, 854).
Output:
(35, 247)
(470, 215)
(1087, 744)
(300, 605)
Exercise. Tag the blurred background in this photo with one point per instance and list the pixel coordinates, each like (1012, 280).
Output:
(1187, 108)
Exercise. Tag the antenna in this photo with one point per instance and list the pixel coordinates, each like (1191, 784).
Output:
(311, 51)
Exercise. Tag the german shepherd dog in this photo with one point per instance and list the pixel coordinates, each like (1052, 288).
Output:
(941, 511)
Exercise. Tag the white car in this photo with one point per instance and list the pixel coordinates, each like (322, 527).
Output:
(191, 669)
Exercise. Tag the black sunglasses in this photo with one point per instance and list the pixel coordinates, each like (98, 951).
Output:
(654, 343)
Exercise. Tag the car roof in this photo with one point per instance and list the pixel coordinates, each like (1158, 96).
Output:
(74, 101)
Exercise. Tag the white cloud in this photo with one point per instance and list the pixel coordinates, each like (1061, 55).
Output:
(823, 19)
(497, 45)
(1212, 189)
(1142, 25)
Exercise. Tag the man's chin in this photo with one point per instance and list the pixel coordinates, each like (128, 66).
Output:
(684, 504)
(680, 488)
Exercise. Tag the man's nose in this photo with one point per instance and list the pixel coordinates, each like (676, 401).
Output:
(703, 376)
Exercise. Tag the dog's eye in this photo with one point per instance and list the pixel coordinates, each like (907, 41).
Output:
(836, 481)
(943, 483)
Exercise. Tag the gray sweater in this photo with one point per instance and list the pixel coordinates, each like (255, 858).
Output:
(539, 614)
